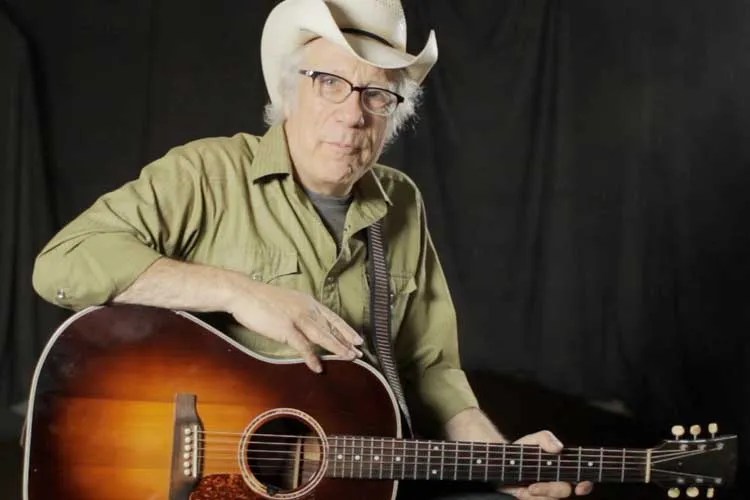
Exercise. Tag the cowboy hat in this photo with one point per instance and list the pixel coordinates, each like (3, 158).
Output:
(373, 31)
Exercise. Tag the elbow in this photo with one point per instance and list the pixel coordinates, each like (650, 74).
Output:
(44, 280)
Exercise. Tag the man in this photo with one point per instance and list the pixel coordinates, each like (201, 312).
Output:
(272, 229)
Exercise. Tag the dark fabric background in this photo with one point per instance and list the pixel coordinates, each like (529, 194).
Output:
(585, 167)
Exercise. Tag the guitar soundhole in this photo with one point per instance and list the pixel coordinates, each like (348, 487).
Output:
(283, 454)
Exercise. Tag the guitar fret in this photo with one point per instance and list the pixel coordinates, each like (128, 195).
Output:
(415, 462)
(502, 465)
(380, 465)
(335, 455)
(520, 465)
(431, 469)
(442, 459)
(403, 459)
(558, 466)
(622, 473)
(471, 459)
(455, 462)
(359, 457)
(539, 466)
(601, 463)
(370, 452)
(578, 476)
(486, 460)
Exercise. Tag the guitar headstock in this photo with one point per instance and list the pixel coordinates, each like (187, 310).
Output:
(698, 465)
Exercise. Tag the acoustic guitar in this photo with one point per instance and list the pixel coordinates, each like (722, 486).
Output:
(131, 402)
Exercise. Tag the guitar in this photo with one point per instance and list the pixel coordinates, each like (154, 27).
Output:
(137, 402)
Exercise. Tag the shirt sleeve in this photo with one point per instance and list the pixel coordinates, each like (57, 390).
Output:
(101, 252)
(427, 344)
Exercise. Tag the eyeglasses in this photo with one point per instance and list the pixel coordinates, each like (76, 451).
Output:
(334, 88)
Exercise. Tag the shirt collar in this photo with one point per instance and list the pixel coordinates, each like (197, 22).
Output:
(272, 155)
(272, 158)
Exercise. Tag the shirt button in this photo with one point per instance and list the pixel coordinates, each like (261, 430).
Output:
(60, 294)
(330, 280)
(256, 276)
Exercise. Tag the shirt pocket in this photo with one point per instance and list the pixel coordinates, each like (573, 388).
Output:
(269, 265)
(402, 287)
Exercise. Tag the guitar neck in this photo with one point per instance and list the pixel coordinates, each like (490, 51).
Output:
(364, 457)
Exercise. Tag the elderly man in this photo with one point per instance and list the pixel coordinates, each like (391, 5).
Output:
(271, 229)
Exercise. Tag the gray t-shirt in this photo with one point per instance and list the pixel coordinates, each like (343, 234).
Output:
(332, 210)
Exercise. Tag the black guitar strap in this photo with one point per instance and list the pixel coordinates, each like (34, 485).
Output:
(380, 314)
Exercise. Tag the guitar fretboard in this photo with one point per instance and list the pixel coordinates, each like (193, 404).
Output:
(364, 457)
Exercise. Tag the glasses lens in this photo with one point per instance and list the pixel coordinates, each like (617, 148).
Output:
(333, 88)
(379, 101)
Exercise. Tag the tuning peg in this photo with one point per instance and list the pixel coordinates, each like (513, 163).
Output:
(713, 429)
(710, 493)
(695, 431)
(692, 492)
(678, 431)
(673, 492)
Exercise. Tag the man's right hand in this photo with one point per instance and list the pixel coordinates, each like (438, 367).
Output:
(288, 316)
(296, 319)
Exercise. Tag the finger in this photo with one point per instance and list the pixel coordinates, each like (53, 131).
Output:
(339, 324)
(514, 491)
(523, 493)
(584, 488)
(326, 336)
(304, 347)
(545, 439)
(555, 489)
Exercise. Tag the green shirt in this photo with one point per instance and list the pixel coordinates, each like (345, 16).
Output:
(233, 203)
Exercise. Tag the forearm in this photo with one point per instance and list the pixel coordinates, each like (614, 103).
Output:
(173, 284)
(472, 424)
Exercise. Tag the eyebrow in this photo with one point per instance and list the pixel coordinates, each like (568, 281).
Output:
(380, 84)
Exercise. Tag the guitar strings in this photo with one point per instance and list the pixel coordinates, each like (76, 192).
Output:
(424, 445)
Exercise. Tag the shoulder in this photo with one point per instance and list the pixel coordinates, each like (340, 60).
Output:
(208, 159)
(216, 156)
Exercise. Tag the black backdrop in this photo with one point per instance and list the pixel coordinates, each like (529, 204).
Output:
(585, 166)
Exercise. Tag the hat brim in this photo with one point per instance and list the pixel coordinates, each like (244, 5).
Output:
(293, 23)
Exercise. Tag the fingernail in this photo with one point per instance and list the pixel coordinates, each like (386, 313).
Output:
(358, 341)
(558, 443)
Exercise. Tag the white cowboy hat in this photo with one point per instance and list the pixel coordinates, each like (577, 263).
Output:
(374, 31)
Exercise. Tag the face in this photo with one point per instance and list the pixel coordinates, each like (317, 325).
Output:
(333, 145)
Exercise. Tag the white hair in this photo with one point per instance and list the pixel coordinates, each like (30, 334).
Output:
(410, 90)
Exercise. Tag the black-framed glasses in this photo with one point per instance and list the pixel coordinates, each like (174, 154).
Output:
(337, 89)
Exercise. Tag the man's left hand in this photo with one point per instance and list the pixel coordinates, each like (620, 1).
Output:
(551, 490)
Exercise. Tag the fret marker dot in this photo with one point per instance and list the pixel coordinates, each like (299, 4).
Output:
(340, 457)
(591, 464)
(435, 448)
(434, 471)
(377, 457)
(398, 459)
(479, 460)
(549, 462)
(512, 462)
(356, 457)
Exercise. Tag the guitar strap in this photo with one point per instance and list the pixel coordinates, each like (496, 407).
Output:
(380, 315)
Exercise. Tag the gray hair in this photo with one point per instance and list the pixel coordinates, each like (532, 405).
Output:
(405, 112)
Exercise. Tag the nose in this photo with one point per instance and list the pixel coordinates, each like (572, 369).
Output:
(350, 111)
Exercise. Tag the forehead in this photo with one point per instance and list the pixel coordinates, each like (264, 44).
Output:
(323, 55)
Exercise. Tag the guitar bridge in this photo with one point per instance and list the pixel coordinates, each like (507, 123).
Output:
(186, 462)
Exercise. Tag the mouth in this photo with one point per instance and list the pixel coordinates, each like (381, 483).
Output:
(344, 147)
